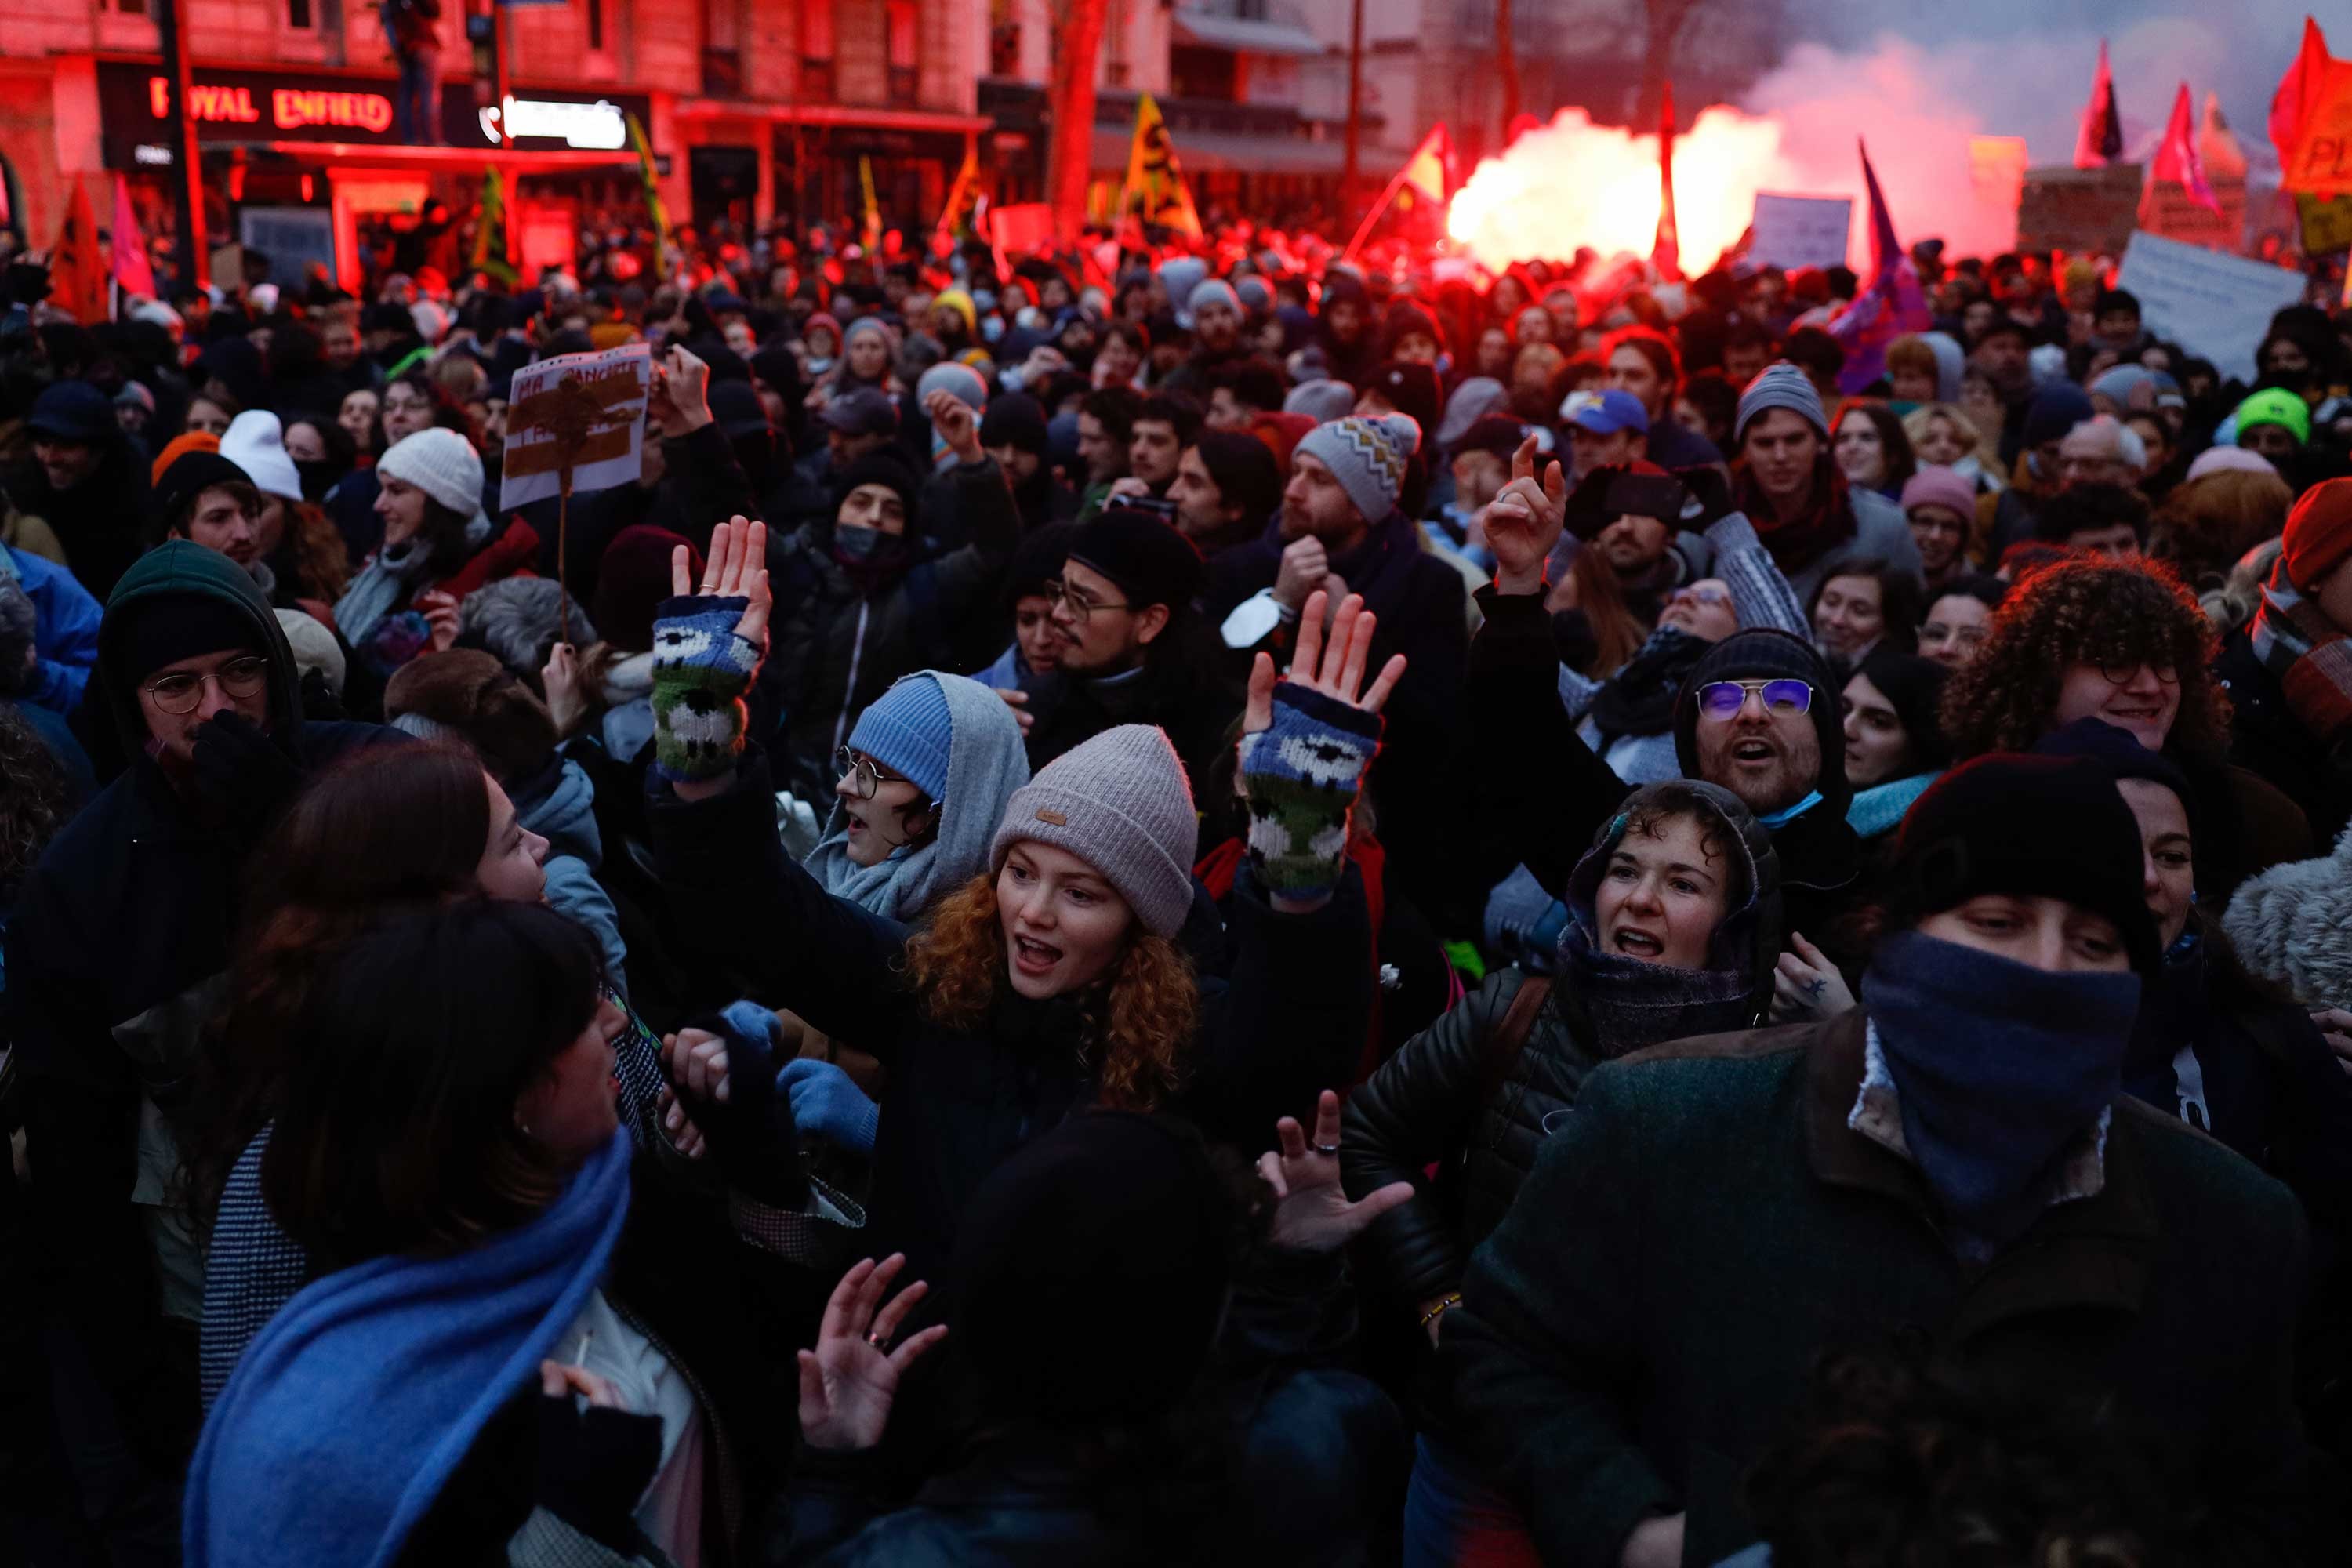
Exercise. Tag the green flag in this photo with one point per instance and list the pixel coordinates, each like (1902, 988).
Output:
(493, 235)
(655, 211)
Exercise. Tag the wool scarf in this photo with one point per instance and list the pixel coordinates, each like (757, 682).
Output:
(1826, 523)
(1880, 808)
(1998, 1066)
(350, 1411)
(2310, 656)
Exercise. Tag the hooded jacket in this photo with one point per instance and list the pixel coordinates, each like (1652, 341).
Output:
(1448, 1098)
(986, 763)
(559, 804)
(99, 520)
(120, 933)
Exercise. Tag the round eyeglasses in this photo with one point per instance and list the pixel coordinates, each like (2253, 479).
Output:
(182, 692)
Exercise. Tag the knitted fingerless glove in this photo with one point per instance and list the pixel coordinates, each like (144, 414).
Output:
(1301, 775)
(701, 670)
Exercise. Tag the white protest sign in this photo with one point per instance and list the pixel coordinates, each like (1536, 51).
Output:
(2215, 305)
(1800, 231)
(581, 413)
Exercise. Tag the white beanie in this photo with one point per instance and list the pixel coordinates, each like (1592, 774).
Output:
(441, 463)
(256, 443)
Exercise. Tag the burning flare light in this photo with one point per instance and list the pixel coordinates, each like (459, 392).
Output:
(1573, 183)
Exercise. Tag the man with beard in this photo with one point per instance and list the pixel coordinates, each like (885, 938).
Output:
(1759, 715)
(1106, 424)
(1014, 431)
(1226, 487)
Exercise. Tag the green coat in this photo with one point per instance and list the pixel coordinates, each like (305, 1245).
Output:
(1643, 1324)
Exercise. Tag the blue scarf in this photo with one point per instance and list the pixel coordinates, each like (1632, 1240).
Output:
(348, 1413)
(1880, 808)
(1774, 821)
(1998, 1066)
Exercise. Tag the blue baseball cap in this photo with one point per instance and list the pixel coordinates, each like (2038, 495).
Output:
(1605, 412)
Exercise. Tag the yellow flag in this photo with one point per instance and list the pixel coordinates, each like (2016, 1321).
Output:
(961, 193)
(1155, 189)
(873, 207)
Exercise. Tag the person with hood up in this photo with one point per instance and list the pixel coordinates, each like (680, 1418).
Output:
(1674, 925)
(1955, 1159)
(86, 481)
(467, 695)
(1788, 482)
(1013, 432)
(116, 954)
(874, 602)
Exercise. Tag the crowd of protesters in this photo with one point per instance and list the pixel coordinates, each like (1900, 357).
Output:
(1176, 905)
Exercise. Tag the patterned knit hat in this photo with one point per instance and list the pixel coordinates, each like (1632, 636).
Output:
(1119, 803)
(1367, 456)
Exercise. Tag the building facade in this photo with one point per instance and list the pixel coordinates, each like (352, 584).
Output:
(754, 109)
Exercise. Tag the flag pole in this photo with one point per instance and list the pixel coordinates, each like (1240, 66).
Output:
(1388, 195)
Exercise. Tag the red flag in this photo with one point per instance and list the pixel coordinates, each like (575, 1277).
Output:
(1666, 250)
(2102, 138)
(2177, 159)
(77, 272)
(131, 268)
(2299, 89)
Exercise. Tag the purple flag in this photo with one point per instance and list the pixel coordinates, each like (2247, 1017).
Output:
(1890, 302)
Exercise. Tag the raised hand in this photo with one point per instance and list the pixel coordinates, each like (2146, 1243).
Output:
(850, 1380)
(706, 653)
(1806, 984)
(1524, 521)
(1311, 1212)
(440, 612)
(559, 679)
(1334, 668)
(679, 403)
(736, 568)
(957, 424)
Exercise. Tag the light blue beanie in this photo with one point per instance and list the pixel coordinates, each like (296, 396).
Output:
(907, 730)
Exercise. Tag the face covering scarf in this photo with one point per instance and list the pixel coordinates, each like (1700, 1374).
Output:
(1998, 1067)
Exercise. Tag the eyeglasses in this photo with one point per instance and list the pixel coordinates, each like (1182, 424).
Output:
(2120, 672)
(179, 693)
(1723, 699)
(865, 780)
(1700, 597)
(1080, 606)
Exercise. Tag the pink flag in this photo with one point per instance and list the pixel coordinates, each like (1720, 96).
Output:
(131, 268)
(2177, 159)
(2102, 138)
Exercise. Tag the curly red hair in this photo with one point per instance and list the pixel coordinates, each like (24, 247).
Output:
(1142, 1021)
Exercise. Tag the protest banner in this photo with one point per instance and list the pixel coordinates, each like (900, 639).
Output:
(2325, 222)
(1800, 231)
(2215, 305)
(2078, 210)
(575, 423)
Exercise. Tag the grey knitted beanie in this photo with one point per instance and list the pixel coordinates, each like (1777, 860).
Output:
(1121, 803)
(1780, 385)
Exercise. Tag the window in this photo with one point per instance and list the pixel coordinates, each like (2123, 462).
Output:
(596, 23)
(902, 26)
(131, 7)
(816, 29)
(299, 15)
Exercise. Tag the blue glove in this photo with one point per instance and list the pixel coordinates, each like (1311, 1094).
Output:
(827, 1104)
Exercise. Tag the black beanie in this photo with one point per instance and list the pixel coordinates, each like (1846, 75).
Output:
(1037, 560)
(1013, 419)
(1091, 1270)
(2038, 826)
(1142, 553)
(168, 627)
(1913, 687)
(2119, 751)
(882, 465)
(1766, 653)
(189, 475)
(1412, 389)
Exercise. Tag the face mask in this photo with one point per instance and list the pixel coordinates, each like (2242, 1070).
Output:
(1998, 1067)
(852, 544)
(992, 328)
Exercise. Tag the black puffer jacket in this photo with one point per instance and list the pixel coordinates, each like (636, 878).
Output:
(1451, 1098)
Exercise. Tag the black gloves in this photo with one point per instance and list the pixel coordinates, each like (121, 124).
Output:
(242, 776)
(751, 1130)
(594, 1465)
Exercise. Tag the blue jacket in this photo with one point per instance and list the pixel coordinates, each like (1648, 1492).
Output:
(559, 805)
(65, 637)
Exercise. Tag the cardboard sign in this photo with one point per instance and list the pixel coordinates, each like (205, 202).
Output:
(2078, 210)
(2166, 208)
(584, 413)
(2215, 305)
(2326, 223)
(1800, 231)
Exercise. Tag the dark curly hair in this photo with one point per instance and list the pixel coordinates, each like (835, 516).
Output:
(2087, 610)
(33, 801)
(1896, 1461)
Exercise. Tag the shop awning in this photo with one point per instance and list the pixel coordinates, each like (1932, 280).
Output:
(1207, 152)
(1244, 36)
(432, 160)
(847, 114)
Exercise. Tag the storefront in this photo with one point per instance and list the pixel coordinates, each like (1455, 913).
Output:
(812, 161)
(305, 167)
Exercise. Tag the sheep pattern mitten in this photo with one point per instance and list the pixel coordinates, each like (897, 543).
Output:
(1301, 775)
(701, 670)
